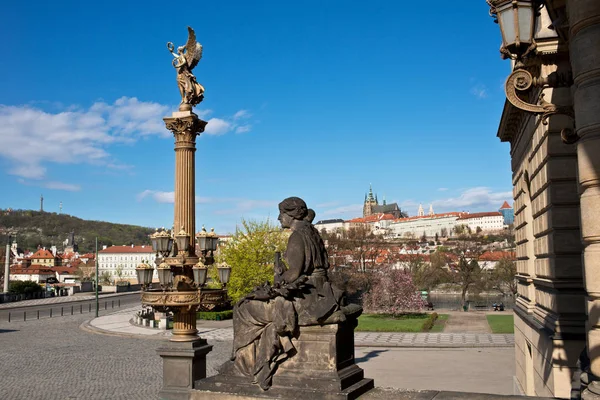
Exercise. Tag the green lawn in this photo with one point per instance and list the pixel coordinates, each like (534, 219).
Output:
(440, 324)
(389, 323)
(501, 323)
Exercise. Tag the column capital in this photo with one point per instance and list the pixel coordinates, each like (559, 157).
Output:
(185, 126)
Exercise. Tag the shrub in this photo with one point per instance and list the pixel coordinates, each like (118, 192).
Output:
(22, 287)
(215, 315)
(427, 325)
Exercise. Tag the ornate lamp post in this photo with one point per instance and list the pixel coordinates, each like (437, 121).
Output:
(517, 20)
(179, 269)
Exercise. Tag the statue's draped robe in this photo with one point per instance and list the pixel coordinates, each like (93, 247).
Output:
(263, 329)
(192, 90)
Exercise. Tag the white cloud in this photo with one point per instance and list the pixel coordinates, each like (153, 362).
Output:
(32, 138)
(62, 186)
(241, 114)
(203, 113)
(50, 185)
(241, 206)
(442, 189)
(157, 195)
(243, 129)
(349, 211)
(220, 126)
(473, 199)
(217, 126)
(237, 205)
(480, 91)
(169, 197)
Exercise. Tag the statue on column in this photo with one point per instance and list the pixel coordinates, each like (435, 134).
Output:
(185, 60)
(267, 319)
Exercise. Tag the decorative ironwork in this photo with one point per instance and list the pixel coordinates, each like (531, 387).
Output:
(521, 80)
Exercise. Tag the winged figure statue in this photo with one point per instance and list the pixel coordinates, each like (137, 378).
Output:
(186, 58)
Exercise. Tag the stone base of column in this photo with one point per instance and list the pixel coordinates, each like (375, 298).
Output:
(183, 364)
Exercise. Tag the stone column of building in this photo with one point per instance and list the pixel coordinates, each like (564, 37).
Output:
(584, 47)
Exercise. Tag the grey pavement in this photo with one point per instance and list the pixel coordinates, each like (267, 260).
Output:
(120, 323)
(55, 359)
(59, 300)
(481, 370)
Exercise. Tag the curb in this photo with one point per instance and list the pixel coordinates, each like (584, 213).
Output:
(88, 327)
(432, 345)
(17, 304)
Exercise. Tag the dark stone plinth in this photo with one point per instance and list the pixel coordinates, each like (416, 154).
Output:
(322, 368)
(183, 364)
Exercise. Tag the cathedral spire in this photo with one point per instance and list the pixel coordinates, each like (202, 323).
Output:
(421, 212)
(371, 198)
(384, 200)
(431, 209)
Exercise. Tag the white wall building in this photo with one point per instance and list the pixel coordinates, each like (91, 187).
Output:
(487, 221)
(125, 258)
(430, 225)
(36, 273)
(330, 225)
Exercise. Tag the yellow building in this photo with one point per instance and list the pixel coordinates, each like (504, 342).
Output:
(43, 257)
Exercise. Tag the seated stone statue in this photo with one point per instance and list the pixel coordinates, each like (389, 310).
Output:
(266, 320)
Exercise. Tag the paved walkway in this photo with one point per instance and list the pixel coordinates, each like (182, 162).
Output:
(120, 323)
(466, 322)
(59, 299)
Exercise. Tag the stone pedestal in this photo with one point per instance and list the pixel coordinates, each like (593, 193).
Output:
(183, 364)
(322, 368)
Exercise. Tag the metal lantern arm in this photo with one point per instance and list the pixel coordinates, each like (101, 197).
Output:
(520, 80)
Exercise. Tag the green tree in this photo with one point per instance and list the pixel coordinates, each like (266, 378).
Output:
(502, 277)
(467, 272)
(119, 272)
(431, 274)
(105, 278)
(251, 254)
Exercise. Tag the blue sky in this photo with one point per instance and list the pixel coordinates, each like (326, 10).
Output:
(315, 99)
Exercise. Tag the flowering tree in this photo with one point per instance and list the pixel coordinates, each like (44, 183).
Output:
(251, 253)
(394, 292)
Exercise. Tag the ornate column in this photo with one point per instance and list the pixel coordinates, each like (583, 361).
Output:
(185, 126)
(584, 47)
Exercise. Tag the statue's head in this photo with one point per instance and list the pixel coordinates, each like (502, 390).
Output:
(290, 209)
(310, 216)
(180, 49)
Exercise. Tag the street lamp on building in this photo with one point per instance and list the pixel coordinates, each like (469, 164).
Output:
(517, 20)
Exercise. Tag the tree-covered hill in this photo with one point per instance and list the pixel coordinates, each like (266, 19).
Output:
(33, 228)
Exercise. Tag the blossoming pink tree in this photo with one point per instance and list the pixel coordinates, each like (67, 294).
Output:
(393, 292)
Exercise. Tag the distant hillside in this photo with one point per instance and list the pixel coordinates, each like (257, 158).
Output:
(34, 228)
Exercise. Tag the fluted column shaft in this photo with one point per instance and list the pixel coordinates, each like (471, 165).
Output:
(185, 127)
(584, 47)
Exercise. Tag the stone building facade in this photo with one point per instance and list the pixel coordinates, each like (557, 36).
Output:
(556, 178)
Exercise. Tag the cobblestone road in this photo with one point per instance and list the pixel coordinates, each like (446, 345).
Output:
(55, 359)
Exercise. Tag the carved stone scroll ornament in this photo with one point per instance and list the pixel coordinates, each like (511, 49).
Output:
(521, 80)
(185, 125)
